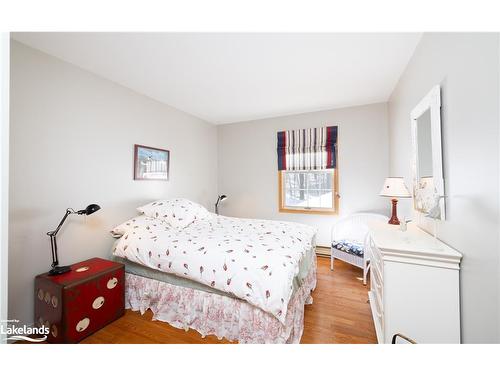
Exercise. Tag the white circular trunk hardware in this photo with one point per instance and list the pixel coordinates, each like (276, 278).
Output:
(54, 330)
(83, 324)
(98, 302)
(82, 269)
(112, 283)
(40, 294)
(47, 297)
(54, 301)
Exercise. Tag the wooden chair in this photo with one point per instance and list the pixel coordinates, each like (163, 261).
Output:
(348, 240)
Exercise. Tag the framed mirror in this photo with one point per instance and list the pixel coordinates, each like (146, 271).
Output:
(427, 158)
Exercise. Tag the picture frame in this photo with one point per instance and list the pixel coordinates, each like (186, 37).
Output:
(151, 163)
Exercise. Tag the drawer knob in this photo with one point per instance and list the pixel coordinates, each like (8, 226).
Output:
(98, 302)
(83, 324)
(54, 331)
(112, 283)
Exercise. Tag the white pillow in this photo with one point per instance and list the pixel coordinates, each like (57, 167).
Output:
(178, 212)
(133, 223)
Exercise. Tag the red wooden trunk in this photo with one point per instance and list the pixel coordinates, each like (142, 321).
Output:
(78, 303)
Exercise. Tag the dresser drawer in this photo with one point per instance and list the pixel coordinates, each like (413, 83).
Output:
(378, 315)
(377, 264)
(374, 251)
(377, 285)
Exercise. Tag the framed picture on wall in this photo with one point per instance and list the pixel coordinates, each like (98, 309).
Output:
(151, 163)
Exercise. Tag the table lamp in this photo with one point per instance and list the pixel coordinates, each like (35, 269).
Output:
(56, 269)
(219, 199)
(395, 187)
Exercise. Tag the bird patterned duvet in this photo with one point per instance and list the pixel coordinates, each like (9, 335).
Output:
(255, 260)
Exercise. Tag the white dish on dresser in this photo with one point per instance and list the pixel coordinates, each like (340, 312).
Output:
(414, 285)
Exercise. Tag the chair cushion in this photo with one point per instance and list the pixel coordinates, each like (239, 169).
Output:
(349, 247)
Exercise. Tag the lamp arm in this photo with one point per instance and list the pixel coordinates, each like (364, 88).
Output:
(53, 245)
(217, 205)
(52, 234)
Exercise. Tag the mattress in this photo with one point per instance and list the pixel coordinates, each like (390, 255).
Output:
(150, 273)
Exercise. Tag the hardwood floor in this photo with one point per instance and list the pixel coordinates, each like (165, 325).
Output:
(339, 314)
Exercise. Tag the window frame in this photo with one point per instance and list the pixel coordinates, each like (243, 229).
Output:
(304, 210)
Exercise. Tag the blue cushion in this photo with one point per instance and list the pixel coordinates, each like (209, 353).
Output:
(349, 247)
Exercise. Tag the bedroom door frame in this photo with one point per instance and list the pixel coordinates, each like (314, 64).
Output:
(4, 173)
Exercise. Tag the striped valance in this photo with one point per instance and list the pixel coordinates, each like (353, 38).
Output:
(307, 149)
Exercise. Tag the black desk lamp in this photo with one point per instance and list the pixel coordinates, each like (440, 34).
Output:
(56, 269)
(219, 199)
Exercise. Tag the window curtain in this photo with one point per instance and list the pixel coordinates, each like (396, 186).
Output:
(307, 149)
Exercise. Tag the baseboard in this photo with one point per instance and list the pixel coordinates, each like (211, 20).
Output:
(323, 251)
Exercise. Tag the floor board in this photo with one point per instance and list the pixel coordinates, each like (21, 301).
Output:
(339, 314)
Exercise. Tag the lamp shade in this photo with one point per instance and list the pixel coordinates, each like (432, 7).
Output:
(395, 187)
(91, 208)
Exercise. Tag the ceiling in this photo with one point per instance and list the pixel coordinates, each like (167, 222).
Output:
(232, 77)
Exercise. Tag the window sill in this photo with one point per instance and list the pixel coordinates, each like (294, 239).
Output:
(311, 211)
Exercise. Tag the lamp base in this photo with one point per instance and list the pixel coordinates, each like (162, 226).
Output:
(394, 221)
(59, 270)
(394, 217)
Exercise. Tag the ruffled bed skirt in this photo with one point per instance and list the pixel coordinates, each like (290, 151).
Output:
(222, 316)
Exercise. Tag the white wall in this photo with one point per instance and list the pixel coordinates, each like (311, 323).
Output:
(499, 180)
(248, 171)
(72, 137)
(4, 174)
(467, 68)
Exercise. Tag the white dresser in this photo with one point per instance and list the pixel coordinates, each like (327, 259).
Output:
(414, 285)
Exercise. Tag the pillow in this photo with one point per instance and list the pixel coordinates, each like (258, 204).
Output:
(178, 212)
(138, 221)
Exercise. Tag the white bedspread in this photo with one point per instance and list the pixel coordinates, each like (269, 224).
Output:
(255, 260)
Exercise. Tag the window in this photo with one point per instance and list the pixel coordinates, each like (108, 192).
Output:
(308, 174)
(312, 191)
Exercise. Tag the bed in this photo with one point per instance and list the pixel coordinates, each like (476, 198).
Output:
(243, 279)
